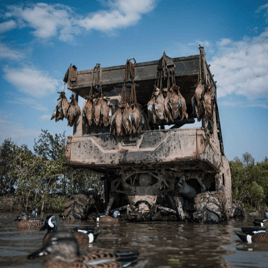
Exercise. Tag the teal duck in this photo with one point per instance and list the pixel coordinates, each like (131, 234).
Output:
(64, 252)
(262, 222)
(83, 235)
(28, 222)
(260, 236)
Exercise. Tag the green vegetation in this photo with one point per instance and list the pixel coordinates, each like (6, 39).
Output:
(41, 178)
(250, 181)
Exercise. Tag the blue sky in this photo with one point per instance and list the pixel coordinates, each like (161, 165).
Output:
(39, 40)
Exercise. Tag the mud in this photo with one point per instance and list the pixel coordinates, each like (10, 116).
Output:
(162, 244)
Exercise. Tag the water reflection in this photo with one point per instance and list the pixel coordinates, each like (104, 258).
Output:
(162, 244)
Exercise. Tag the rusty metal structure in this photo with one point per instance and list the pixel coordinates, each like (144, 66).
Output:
(161, 171)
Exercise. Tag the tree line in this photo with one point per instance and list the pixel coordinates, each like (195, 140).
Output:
(40, 178)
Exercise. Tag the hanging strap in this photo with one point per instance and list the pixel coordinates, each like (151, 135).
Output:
(133, 95)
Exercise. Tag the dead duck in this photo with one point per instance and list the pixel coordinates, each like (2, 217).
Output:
(262, 222)
(197, 103)
(28, 222)
(159, 104)
(97, 111)
(73, 112)
(88, 111)
(84, 235)
(137, 118)
(177, 103)
(116, 123)
(63, 249)
(127, 120)
(61, 109)
(260, 236)
(105, 111)
(208, 102)
(150, 109)
(168, 110)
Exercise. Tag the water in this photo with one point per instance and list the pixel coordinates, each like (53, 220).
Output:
(161, 244)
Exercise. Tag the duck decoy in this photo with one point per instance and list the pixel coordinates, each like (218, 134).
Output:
(28, 222)
(84, 235)
(253, 229)
(73, 112)
(107, 219)
(262, 222)
(64, 251)
(260, 236)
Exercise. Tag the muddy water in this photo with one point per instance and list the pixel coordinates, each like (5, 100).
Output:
(161, 244)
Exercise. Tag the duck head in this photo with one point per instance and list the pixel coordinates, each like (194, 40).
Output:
(51, 224)
(61, 244)
(62, 95)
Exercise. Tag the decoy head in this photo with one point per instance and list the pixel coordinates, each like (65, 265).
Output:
(22, 217)
(51, 224)
(34, 212)
(116, 214)
(266, 214)
(61, 244)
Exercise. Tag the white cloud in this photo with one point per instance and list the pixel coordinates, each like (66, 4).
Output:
(57, 20)
(7, 53)
(240, 67)
(16, 131)
(46, 117)
(31, 81)
(7, 26)
(30, 102)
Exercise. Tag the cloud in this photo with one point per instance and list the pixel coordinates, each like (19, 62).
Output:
(16, 131)
(7, 53)
(7, 26)
(30, 102)
(61, 21)
(240, 67)
(46, 117)
(31, 81)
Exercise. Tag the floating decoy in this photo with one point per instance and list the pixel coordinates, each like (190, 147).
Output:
(117, 121)
(84, 235)
(28, 222)
(260, 236)
(88, 110)
(64, 248)
(197, 104)
(107, 219)
(262, 222)
(73, 112)
(253, 229)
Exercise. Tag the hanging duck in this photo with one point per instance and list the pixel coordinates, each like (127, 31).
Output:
(61, 108)
(88, 111)
(137, 118)
(208, 103)
(73, 112)
(150, 109)
(168, 109)
(197, 105)
(182, 104)
(127, 119)
(116, 121)
(105, 111)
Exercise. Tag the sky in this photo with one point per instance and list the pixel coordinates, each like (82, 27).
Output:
(39, 40)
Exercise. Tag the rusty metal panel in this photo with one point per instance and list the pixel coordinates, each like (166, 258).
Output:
(172, 147)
